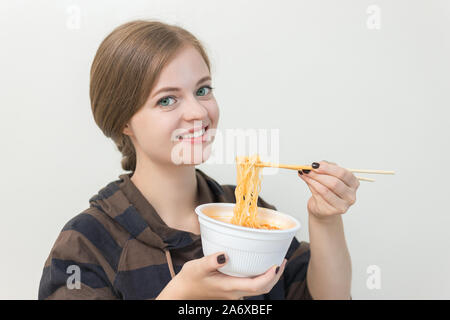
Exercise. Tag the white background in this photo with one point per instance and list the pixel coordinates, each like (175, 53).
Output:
(337, 90)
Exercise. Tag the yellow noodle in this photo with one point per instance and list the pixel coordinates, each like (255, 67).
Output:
(247, 190)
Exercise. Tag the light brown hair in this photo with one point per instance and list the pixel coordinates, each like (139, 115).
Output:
(124, 71)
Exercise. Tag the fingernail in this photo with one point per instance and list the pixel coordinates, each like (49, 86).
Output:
(315, 165)
(277, 269)
(221, 259)
(306, 171)
(301, 173)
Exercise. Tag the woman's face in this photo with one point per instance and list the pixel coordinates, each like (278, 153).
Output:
(168, 114)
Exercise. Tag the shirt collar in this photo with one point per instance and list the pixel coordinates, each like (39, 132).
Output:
(208, 190)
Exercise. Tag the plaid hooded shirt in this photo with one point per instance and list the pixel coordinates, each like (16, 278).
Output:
(124, 250)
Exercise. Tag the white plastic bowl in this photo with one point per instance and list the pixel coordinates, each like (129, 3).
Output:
(251, 251)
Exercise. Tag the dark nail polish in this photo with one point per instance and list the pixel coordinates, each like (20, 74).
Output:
(221, 259)
(277, 269)
(315, 165)
(306, 171)
(300, 171)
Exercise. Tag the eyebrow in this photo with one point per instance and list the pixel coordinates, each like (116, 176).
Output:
(178, 89)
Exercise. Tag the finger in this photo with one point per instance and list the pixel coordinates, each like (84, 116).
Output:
(317, 203)
(313, 191)
(212, 262)
(256, 285)
(341, 173)
(327, 195)
(316, 196)
(247, 287)
(278, 276)
(330, 162)
(334, 184)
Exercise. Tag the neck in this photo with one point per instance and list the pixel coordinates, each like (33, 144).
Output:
(171, 189)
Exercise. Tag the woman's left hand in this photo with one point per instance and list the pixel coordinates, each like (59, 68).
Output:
(333, 190)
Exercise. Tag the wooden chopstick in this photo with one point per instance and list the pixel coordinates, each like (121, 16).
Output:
(296, 167)
(371, 171)
(283, 166)
(365, 179)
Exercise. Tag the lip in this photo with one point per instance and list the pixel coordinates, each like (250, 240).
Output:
(193, 130)
(201, 139)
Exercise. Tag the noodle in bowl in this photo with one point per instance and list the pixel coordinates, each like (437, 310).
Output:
(250, 251)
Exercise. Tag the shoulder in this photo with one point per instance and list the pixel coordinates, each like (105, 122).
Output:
(92, 237)
(228, 190)
(85, 244)
(93, 224)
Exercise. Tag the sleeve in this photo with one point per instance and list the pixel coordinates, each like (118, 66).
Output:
(76, 269)
(294, 275)
(298, 255)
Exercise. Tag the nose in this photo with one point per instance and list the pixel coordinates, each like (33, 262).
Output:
(194, 110)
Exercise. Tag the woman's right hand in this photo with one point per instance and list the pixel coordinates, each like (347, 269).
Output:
(199, 279)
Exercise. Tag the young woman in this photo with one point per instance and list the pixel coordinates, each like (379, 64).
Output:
(151, 94)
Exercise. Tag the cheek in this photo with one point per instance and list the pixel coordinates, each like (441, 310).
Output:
(214, 113)
(150, 131)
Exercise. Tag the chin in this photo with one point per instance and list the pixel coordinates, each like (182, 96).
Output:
(191, 156)
(199, 159)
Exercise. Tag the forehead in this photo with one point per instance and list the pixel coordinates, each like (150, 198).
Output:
(184, 70)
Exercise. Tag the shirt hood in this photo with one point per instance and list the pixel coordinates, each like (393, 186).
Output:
(122, 201)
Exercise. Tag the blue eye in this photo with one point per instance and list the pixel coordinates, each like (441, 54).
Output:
(163, 101)
(205, 87)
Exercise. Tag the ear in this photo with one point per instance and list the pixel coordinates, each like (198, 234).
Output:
(127, 130)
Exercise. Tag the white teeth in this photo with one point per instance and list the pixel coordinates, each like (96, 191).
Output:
(196, 134)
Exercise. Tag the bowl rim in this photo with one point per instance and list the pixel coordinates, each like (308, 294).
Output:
(242, 228)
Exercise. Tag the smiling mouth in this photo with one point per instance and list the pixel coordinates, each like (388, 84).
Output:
(191, 136)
